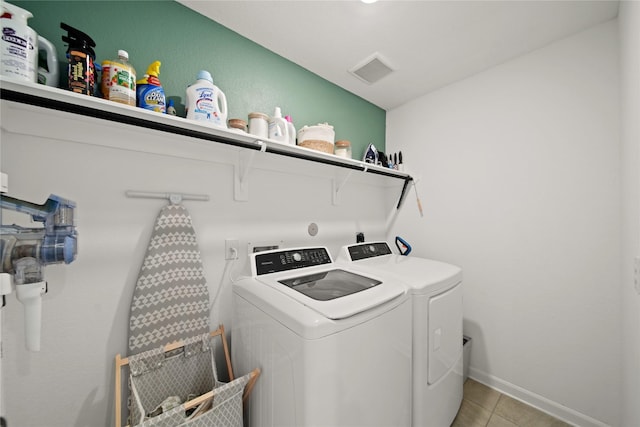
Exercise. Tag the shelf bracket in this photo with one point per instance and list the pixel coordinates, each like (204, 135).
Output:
(241, 172)
(393, 215)
(337, 186)
(405, 189)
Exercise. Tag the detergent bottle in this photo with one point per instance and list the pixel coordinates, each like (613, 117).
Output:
(48, 72)
(171, 109)
(19, 46)
(291, 129)
(149, 91)
(278, 127)
(206, 102)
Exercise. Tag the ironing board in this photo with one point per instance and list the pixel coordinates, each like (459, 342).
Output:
(169, 338)
(170, 299)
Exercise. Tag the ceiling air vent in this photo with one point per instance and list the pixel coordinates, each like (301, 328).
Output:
(372, 69)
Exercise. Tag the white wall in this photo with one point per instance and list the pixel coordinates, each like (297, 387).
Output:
(70, 382)
(629, 26)
(519, 171)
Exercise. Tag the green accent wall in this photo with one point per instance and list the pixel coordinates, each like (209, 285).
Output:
(252, 77)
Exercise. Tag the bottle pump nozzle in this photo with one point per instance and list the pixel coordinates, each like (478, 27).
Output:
(11, 11)
(77, 38)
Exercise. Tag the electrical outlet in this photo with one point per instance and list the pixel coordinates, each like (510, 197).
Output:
(636, 274)
(231, 248)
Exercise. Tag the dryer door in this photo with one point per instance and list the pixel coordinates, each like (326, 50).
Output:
(445, 332)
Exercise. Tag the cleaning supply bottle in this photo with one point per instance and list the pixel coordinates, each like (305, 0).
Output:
(206, 102)
(171, 109)
(278, 127)
(104, 78)
(149, 91)
(19, 45)
(119, 79)
(81, 70)
(47, 63)
(97, 91)
(291, 129)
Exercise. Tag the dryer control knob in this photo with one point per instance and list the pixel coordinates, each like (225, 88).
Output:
(297, 257)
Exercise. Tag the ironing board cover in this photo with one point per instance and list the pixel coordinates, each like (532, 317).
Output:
(170, 299)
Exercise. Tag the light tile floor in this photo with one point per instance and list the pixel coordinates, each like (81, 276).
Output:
(483, 406)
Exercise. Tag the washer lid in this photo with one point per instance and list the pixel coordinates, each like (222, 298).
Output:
(331, 284)
(308, 276)
(420, 274)
(333, 293)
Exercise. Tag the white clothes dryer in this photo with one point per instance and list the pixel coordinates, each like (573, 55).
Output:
(333, 344)
(436, 294)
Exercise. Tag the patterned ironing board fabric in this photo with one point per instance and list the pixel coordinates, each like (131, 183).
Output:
(171, 299)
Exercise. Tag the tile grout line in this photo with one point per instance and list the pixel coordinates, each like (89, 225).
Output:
(493, 411)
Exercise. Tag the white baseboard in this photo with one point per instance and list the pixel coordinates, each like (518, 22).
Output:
(550, 407)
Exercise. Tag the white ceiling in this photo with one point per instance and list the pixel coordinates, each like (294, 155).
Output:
(429, 43)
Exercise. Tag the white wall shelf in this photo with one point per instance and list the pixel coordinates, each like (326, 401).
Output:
(69, 102)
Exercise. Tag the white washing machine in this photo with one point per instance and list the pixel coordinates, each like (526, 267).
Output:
(436, 293)
(334, 345)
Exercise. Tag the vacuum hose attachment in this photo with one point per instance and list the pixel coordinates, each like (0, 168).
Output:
(25, 251)
(53, 243)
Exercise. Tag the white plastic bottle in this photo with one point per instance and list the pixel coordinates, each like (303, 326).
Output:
(278, 127)
(19, 57)
(206, 102)
(292, 130)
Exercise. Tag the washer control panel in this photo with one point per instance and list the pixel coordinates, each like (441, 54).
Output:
(291, 259)
(368, 250)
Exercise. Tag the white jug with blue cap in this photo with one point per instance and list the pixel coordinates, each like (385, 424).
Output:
(206, 103)
(278, 127)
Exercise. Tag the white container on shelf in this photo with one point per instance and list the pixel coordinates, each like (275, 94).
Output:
(259, 125)
(20, 45)
(206, 102)
(278, 127)
(292, 130)
(343, 149)
(319, 137)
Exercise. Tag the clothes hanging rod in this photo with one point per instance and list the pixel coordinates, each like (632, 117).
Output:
(172, 197)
